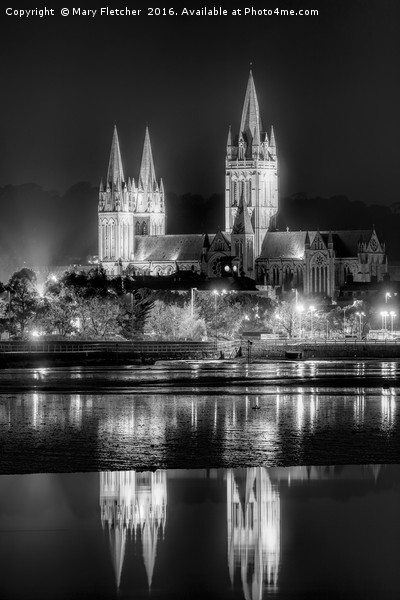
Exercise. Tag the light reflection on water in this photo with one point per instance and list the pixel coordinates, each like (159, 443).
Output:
(303, 425)
(228, 421)
(239, 533)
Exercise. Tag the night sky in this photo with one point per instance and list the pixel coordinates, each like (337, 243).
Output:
(329, 84)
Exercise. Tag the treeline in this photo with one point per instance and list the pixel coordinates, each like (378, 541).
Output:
(90, 305)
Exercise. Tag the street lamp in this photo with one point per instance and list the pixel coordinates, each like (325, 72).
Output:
(392, 318)
(344, 321)
(9, 314)
(215, 318)
(384, 315)
(192, 290)
(300, 310)
(360, 315)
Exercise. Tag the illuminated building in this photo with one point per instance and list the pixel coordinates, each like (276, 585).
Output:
(132, 224)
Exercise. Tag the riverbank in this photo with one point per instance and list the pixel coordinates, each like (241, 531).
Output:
(120, 354)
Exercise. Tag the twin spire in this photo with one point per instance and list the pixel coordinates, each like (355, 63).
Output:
(115, 173)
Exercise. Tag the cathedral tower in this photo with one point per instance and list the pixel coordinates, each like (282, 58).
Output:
(127, 211)
(115, 211)
(252, 172)
(149, 208)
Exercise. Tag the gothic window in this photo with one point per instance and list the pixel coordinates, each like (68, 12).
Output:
(299, 275)
(249, 198)
(125, 240)
(319, 260)
(348, 276)
(137, 228)
(234, 192)
(144, 228)
(219, 246)
(287, 277)
(275, 276)
(216, 267)
(374, 245)
(104, 238)
(241, 150)
(112, 239)
(237, 248)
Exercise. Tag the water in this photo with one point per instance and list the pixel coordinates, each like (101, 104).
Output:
(188, 480)
(199, 415)
(322, 532)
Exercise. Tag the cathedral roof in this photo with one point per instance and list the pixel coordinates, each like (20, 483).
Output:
(284, 244)
(169, 248)
(345, 243)
(290, 244)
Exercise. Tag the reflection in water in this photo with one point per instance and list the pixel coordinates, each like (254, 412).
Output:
(253, 519)
(388, 408)
(135, 505)
(359, 407)
(247, 534)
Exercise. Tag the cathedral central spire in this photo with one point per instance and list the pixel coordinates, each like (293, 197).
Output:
(250, 125)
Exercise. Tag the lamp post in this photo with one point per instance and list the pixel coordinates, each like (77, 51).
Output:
(360, 315)
(9, 314)
(344, 321)
(215, 319)
(392, 318)
(192, 301)
(300, 310)
(384, 315)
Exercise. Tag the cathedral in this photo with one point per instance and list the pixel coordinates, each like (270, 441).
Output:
(132, 225)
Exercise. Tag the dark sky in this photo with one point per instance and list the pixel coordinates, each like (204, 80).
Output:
(329, 84)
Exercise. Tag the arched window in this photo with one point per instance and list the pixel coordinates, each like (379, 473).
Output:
(275, 276)
(112, 239)
(137, 228)
(234, 192)
(144, 228)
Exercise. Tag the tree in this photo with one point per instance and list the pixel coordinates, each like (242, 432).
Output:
(24, 301)
(174, 322)
(284, 318)
(57, 311)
